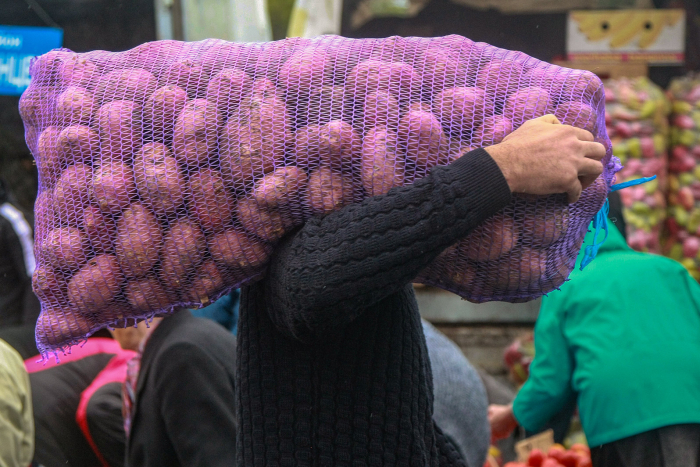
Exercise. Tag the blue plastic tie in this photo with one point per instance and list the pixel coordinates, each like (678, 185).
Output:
(600, 221)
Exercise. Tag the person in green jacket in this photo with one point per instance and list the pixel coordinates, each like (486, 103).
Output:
(623, 338)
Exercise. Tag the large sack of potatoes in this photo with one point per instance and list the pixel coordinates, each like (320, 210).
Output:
(168, 172)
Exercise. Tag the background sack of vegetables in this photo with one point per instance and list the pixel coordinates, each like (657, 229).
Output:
(637, 120)
(683, 223)
(168, 172)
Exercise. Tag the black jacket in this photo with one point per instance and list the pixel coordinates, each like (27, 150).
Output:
(333, 365)
(185, 408)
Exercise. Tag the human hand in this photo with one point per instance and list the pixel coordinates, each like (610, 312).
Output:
(544, 157)
(502, 421)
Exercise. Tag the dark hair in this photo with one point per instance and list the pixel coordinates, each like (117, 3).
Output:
(615, 214)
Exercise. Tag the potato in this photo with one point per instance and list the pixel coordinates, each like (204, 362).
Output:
(75, 105)
(423, 138)
(147, 295)
(560, 267)
(269, 61)
(307, 146)
(305, 70)
(48, 155)
(456, 149)
(78, 143)
(328, 191)
(138, 241)
(527, 103)
(96, 284)
(393, 49)
(121, 130)
(118, 314)
(57, 329)
(220, 56)
(44, 213)
(133, 84)
(247, 151)
(521, 271)
(160, 183)
(492, 131)
(162, 109)
(236, 250)
(500, 77)
(196, 132)
(113, 186)
(492, 239)
(210, 203)
(281, 187)
(188, 75)
(37, 105)
(324, 104)
(267, 224)
(206, 285)
(417, 107)
(381, 108)
(382, 161)
(63, 248)
(459, 110)
(45, 69)
(79, 71)
(400, 79)
(339, 145)
(543, 224)
(99, 229)
(579, 115)
(73, 193)
(152, 56)
(227, 89)
(184, 247)
(49, 285)
(264, 87)
(580, 85)
(442, 69)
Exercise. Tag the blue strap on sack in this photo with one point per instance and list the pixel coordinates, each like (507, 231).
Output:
(600, 221)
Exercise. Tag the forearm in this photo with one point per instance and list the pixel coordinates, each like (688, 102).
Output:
(336, 266)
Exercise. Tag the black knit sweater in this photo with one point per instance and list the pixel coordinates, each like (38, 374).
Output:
(332, 363)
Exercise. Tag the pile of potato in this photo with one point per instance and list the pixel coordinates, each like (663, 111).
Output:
(683, 223)
(169, 171)
(637, 121)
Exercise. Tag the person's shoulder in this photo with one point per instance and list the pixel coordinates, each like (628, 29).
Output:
(194, 334)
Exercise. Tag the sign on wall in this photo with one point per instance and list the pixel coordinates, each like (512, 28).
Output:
(652, 36)
(18, 45)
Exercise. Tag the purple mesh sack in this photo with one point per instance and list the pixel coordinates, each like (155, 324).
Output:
(168, 172)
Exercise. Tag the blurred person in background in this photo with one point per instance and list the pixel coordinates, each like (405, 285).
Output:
(16, 423)
(460, 403)
(18, 305)
(621, 339)
(179, 401)
(224, 311)
(70, 414)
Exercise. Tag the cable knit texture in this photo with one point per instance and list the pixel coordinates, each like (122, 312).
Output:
(333, 365)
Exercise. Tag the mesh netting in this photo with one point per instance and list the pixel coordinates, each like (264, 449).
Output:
(169, 171)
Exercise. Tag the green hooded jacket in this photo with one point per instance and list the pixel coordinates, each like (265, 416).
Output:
(623, 336)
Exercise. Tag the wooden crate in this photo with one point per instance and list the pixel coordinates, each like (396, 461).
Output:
(608, 70)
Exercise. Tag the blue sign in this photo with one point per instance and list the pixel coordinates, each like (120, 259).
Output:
(18, 45)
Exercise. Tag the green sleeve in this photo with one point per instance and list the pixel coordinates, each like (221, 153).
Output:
(548, 387)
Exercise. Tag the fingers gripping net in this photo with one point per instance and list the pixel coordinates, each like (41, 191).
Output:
(168, 172)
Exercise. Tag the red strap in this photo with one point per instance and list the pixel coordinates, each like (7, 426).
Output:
(113, 372)
(93, 346)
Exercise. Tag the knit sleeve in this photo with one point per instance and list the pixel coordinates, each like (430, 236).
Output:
(324, 275)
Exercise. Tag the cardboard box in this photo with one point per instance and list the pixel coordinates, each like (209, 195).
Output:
(652, 36)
